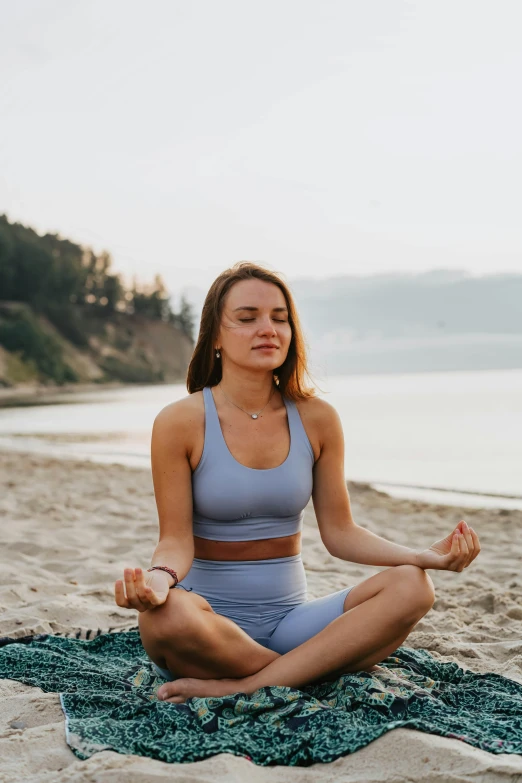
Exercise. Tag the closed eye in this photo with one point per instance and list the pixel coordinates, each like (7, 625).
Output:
(279, 320)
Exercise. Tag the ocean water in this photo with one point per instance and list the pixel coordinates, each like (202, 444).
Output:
(450, 437)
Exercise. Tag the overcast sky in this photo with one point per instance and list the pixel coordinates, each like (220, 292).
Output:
(321, 137)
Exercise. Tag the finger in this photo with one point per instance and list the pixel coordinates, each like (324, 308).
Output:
(454, 553)
(476, 543)
(130, 589)
(464, 552)
(119, 595)
(464, 549)
(469, 543)
(455, 547)
(142, 590)
(468, 537)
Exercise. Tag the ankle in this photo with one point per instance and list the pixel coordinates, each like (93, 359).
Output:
(250, 684)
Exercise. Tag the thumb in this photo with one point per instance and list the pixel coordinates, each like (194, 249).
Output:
(158, 597)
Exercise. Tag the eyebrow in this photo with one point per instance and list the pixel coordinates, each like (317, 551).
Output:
(253, 309)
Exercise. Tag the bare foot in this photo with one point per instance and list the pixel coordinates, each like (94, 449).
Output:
(378, 669)
(178, 691)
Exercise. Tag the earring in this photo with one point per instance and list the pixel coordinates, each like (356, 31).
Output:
(217, 354)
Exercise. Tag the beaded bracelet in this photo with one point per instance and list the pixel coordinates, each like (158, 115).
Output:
(171, 572)
(168, 571)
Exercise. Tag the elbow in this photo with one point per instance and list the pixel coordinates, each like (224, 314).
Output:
(335, 543)
(332, 550)
(331, 544)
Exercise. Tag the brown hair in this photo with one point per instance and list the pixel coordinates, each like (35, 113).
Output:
(205, 368)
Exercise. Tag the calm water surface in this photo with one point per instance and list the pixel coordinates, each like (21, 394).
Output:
(459, 431)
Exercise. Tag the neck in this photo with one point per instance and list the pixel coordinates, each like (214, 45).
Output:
(250, 393)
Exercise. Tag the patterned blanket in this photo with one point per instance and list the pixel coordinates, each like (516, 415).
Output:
(108, 694)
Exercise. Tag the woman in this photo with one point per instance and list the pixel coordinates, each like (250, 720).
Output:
(234, 464)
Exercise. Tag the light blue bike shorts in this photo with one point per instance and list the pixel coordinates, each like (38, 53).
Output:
(266, 598)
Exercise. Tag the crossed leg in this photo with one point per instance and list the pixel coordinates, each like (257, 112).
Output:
(379, 613)
(186, 636)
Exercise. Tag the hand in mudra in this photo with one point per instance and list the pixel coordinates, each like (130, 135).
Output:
(144, 591)
(453, 553)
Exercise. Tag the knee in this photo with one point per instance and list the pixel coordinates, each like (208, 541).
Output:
(416, 587)
(174, 621)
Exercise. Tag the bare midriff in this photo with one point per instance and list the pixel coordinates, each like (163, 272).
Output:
(262, 549)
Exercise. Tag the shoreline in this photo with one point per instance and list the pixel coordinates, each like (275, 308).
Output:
(31, 394)
(112, 449)
(448, 489)
(41, 394)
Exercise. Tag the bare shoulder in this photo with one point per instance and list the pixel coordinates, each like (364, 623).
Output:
(320, 420)
(177, 421)
(182, 410)
(318, 411)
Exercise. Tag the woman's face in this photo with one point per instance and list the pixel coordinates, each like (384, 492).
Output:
(254, 315)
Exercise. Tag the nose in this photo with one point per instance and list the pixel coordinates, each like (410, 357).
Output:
(266, 326)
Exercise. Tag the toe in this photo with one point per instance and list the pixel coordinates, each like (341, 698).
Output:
(169, 691)
(176, 699)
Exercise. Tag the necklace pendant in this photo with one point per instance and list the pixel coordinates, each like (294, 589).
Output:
(254, 415)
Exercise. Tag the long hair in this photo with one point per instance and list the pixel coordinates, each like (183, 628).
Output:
(205, 368)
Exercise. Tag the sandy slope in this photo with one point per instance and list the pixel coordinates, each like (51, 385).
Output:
(69, 528)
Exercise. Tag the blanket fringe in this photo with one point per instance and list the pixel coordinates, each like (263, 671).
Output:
(71, 633)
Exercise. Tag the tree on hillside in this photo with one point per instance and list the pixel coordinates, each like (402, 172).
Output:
(152, 300)
(186, 317)
(113, 293)
(54, 275)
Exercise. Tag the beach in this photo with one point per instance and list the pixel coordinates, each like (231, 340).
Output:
(70, 527)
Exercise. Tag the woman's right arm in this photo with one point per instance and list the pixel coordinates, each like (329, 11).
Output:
(172, 479)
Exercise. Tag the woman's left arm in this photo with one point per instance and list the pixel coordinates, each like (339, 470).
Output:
(344, 539)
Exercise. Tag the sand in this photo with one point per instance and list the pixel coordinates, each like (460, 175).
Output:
(68, 529)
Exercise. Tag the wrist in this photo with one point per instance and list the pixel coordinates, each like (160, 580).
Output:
(169, 572)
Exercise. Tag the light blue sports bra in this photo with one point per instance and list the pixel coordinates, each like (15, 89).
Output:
(234, 503)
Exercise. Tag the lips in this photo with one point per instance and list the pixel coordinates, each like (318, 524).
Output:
(267, 345)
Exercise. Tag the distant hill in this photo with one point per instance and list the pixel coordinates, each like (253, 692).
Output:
(436, 320)
(439, 320)
(66, 318)
(118, 347)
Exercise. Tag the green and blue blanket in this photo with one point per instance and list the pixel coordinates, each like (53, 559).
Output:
(108, 694)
